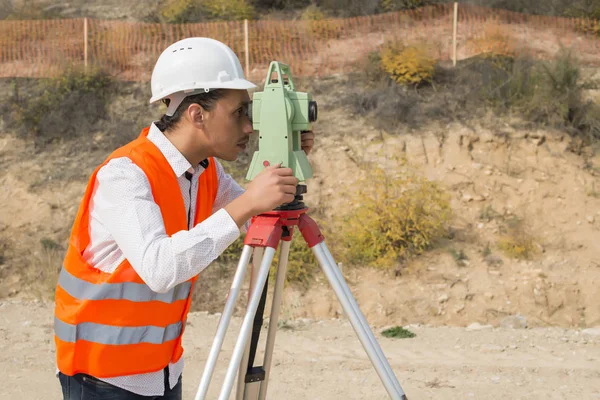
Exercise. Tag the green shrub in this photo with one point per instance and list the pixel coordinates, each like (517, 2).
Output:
(348, 8)
(395, 217)
(398, 332)
(27, 10)
(179, 11)
(188, 11)
(399, 5)
(516, 240)
(546, 93)
(281, 4)
(229, 10)
(67, 106)
(410, 65)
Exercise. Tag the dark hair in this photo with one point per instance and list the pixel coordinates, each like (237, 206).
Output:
(206, 100)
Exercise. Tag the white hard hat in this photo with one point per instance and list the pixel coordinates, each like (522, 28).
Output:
(195, 65)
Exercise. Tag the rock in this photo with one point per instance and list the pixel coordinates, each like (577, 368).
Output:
(443, 298)
(459, 308)
(488, 295)
(476, 326)
(479, 198)
(487, 172)
(591, 331)
(514, 322)
(467, 198)
(480, 225)
(590, 219)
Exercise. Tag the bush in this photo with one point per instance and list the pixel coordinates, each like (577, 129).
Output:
(517, 241)
(546, 93)
(399, 5)
(67, 106)
(281, 4)
(373, 69)
(396, 217)
(410, 65)
(27, 10)
(229, 10)
(398, 332)
(317, 24)
(188, 11)
(348, 8)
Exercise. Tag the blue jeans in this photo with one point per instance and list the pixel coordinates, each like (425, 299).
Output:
(85, 387)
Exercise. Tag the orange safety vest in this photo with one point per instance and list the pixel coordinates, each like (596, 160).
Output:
(113, 324)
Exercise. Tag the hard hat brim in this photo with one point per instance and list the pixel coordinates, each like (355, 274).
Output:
(239, 84)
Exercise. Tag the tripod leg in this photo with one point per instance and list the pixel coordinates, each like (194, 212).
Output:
(274, 317)
(241, 384)
(365, 335)
(234, 292)
(360, 315)
(240, 345)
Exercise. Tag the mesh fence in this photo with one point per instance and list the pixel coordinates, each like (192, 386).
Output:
(128, 50)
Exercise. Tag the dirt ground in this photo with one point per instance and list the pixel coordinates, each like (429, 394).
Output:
(324, 360)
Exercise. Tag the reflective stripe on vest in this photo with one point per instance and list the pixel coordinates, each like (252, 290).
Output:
(138, 292)
(107, 334)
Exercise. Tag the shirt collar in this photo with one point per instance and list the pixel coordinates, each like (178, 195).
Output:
(174, 157)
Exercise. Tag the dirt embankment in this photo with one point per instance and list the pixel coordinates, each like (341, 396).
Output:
(494, 176)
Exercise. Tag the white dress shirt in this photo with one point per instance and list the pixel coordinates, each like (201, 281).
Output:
(126, 223)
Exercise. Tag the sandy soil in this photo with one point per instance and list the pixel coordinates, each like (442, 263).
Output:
(324, 360)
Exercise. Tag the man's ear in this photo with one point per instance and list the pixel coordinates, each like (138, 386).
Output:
(196, 115)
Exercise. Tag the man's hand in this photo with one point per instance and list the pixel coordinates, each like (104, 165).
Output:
(308, 140)
(271, 188)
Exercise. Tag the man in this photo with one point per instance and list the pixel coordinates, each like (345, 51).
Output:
(155, 214)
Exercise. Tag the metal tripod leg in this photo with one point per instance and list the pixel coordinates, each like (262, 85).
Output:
(256, 262)
(247, 324)
(234, 292)
(253, 380)
(363, 320)
(356, 319)
(274, 317)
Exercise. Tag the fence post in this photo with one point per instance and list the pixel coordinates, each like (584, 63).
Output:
(454, 31)
(85, 43)
(246, 48)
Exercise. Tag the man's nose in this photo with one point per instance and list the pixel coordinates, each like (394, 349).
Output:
(248, 130)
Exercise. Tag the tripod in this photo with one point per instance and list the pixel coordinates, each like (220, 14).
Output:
(264, 235)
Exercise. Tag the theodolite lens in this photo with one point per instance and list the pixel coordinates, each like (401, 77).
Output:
(312, 111)
(249, 111)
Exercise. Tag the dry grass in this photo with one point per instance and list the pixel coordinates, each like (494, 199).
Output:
(44, 265)
(517, 240)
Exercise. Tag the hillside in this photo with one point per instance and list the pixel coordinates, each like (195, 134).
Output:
(493, 172)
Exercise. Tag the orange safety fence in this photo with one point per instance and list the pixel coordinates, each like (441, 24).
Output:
(128, 50)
